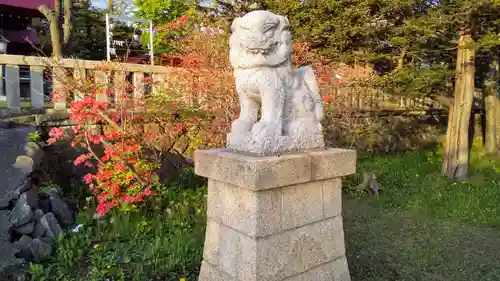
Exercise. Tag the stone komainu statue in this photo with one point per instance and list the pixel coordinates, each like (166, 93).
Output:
(288, 99)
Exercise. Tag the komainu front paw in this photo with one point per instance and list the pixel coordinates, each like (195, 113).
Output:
(263, 129)
(240, 126)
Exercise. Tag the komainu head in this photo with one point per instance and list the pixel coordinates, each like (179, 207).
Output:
(260, 39)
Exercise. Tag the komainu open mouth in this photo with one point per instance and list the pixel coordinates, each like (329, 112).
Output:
(263, 51)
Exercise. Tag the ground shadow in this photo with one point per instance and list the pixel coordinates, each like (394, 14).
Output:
(402, 245)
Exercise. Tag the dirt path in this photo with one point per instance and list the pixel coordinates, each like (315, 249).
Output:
(12, 145)
(401, 245)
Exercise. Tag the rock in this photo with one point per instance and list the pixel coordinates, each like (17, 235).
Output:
(8, 257)
(61, 210)
(21, 214)
(45, 204)
(24, 247)
(25, 164)
(25, 186)
(40, 249)
(7, 124)
(370, 183)
(32, 198)
(4, 203)
(72, 204)
(52, 227)
(39, 230)
(14, 274)
(14, 193)
(26, 228)
(53, 192)
(38, 214)
(8, 251)
(34, 151)
(40, 177)
(46, 239)
(4, 226)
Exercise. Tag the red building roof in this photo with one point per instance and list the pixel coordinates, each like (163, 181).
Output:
(21, 36)
(28, 4)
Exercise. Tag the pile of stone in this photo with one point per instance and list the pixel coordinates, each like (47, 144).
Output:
(31, 217)
(36, 220)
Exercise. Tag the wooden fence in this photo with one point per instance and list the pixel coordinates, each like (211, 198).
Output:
(27, 84)
(368, 100)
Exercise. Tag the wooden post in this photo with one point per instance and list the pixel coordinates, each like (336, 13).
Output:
(158, 83)
(58, 82)
(491, 107)
(361, 102)
(2, 91)
(456, 158)
(36, 85)
(407, 102)
(138, 84)
(80, 77)
(377, 100)
(102, 81)
(12, 87)
(120, 85)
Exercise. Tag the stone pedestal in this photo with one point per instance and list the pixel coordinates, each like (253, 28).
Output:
(274, 218)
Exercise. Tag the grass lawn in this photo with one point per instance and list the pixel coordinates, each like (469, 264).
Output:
(161, 243)
(24, 104)
(423, 227)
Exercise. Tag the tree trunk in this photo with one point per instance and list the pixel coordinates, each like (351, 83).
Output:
(497, 106)
(491, 108)
(110, 6)
(68, 25)
(53, 16)
(456, 161)
(59, 47)
(401, 59)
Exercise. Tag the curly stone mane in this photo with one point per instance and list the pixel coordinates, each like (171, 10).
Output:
(260, 39)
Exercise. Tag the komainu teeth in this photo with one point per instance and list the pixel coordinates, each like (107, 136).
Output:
(259, 51)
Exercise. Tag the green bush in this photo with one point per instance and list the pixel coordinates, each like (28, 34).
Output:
(163, 241)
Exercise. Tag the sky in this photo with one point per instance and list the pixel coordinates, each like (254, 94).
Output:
(99, 3)
(103, 3)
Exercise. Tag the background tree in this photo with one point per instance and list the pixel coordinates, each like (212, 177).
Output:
(59, 47)
(162, 13)
(411, 45)
(90, 32)
(230, 9)
(457, 144)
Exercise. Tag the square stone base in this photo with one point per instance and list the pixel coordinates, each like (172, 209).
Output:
(314, 250)
(274, 218)
(332, 271)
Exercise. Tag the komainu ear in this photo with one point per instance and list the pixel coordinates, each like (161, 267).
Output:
(284, 22)
(235, 24)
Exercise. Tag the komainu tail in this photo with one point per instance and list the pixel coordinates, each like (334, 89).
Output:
(310, 82)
